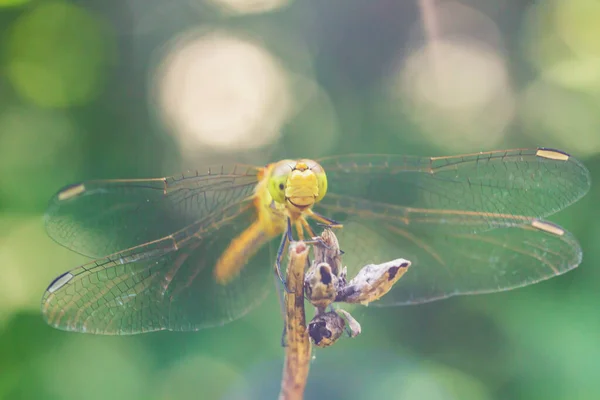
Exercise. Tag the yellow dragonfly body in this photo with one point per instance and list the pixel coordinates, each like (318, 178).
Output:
(286, 191)
(197, 250)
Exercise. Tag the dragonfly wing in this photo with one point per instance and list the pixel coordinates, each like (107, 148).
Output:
(446, 263)
(527, 184)
(164, 284)
(98, 218)
(469, 224)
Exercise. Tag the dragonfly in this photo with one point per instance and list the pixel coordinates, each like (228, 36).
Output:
(197, 250)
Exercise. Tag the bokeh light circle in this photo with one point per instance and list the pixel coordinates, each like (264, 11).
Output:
(457, 92)
(58, 55)
(250, 6)
(222, 91)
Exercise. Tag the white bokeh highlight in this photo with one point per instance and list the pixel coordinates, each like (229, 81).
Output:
(250, 6)
(454, 83)
(221, 91)
(457, 90)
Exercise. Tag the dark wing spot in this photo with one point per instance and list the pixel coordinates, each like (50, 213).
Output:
(281, 186)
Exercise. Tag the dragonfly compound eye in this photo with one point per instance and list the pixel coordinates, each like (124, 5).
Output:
(278, 178)
(321, 179)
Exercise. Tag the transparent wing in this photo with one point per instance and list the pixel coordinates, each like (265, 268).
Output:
(446, 264)
(470, 224)
(98, 218)
(164, 284)
(494, 188)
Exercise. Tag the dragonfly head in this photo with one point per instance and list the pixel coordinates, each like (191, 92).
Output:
(300, 183)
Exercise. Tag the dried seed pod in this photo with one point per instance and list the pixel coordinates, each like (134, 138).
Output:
(372, 282)
(320, 285)
(326, 328)
(327, 250)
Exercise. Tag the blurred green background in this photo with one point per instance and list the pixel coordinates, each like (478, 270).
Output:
(140, 88)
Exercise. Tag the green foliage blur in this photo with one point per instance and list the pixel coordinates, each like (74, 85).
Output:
(91, 89)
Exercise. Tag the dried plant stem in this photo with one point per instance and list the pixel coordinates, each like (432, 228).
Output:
(297, 351)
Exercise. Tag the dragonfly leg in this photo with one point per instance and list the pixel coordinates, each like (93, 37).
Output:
(323, 220)
(284, 337)
(287, 237)
(319, 240)
(288, 232)
(283, 311)
(306, 226)
(299, 229)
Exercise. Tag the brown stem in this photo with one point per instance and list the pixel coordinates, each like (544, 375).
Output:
(297, 351)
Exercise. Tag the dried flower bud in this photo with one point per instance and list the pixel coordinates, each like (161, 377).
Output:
(320, 285)
(373, 281)
(327, 250)
(326, 328)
